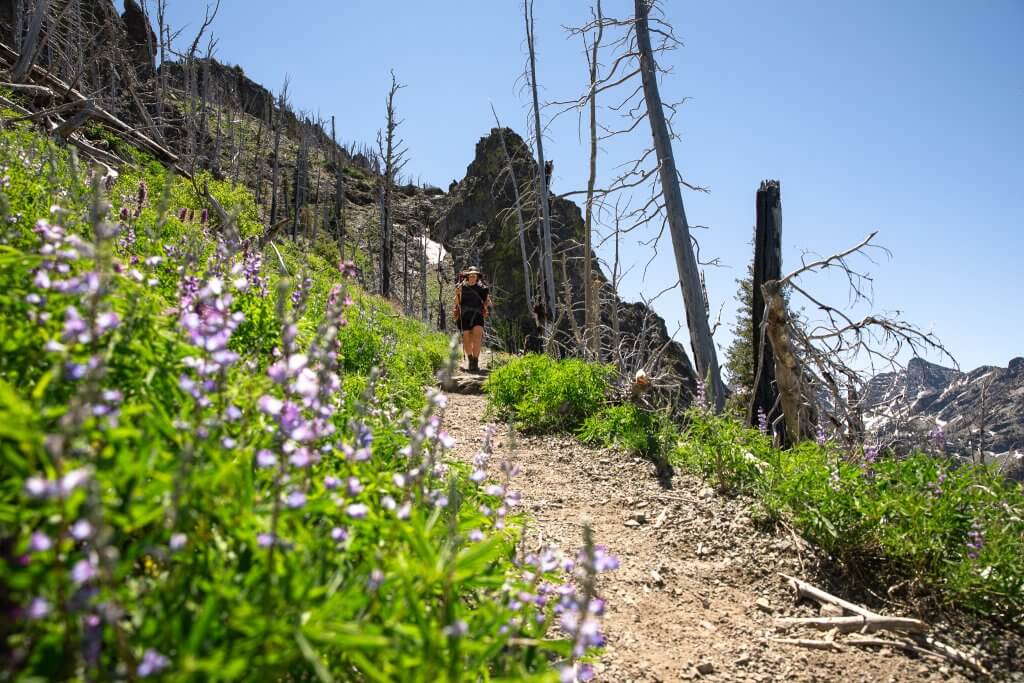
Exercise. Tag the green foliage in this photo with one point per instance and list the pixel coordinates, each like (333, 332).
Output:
(628, 427)
(198, 554)
(739, 357)
(543, 394)
(957, 531)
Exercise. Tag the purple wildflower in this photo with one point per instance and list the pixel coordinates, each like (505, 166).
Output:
(38, 609)
(83, 571)
(762, 420)
(81, 530)
(39, 542)
(152, 663)
(177, 541)
(357, 511)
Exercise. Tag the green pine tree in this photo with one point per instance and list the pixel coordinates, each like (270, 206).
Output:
(739, 357)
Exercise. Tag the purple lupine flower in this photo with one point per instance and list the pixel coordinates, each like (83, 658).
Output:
(152, 663)
(935, 487)
(476, 535)
(143, 192)
(762, 420)
(39, 542)
(331, 483)
(182, 213)
(38, 608)
(349, 270)
(354, 486)
(83, 571)
(81, 530)
(339, 534)
(457, 629)
(975, 540)
(701, 400)
(265, 540)
(296, 500)
(204, 216)
(375, 580)
(38, 487)
(177, 542)
(265, 458)
(820, 437)
(404, 511)
(357, 511)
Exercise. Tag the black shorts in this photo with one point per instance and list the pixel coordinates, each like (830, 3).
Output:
(471, 319)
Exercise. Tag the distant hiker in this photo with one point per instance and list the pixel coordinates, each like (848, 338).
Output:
(549, 167)
(472, 304)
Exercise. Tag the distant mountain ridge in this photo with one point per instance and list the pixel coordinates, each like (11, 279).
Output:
(981, 411)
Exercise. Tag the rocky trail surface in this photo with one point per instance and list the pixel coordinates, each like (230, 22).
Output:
(697, 590)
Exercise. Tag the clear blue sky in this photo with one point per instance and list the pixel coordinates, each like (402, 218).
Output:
(902, 117)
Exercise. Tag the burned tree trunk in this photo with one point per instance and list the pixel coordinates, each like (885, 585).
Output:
(799, 417)
(767, 267)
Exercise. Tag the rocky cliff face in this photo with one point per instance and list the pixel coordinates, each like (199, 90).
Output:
(479, 226)
(978, 411)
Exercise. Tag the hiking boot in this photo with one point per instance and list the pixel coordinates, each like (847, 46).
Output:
(474, 363)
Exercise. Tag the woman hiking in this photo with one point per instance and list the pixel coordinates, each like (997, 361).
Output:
(472, 304)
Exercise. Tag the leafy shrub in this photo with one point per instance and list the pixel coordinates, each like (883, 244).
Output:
(956, 530)
(543, 394)
(626, 426)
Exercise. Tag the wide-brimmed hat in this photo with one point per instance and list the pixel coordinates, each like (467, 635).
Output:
(472, 270)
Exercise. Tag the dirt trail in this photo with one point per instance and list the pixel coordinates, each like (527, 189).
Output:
(697, 588)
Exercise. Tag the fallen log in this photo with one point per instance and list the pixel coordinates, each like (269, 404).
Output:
(807, 590)
(855, 623)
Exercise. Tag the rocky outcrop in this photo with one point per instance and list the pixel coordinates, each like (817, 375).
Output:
(978, 411)
(140, 40)
(479, 226)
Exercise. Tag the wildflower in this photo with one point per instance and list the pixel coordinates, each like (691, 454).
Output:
(820, 436)
(339, 534)
(106, 322)
(265, 540)
(81, 530)
(204, 216)
(38, 609)
(476, 535)
(457, 629)
(357, 511)
(143, 192)
(39, 542)
(83, 571)
(349, 270)
(182, 212)
(762, 420)
(375, 580)
(702, 399)
(177, 541)
(37, 487)
(265, 458)
(354, 486)
(296, 499)
(152, 663)
(331, 483)
(975, 540)
(72, 480)
(404, 511)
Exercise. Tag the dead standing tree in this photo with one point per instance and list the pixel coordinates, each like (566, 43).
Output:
(393, 155)
(686, 262)
(633, 57)
(544, 223)
(819, 358)
(767, 267)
